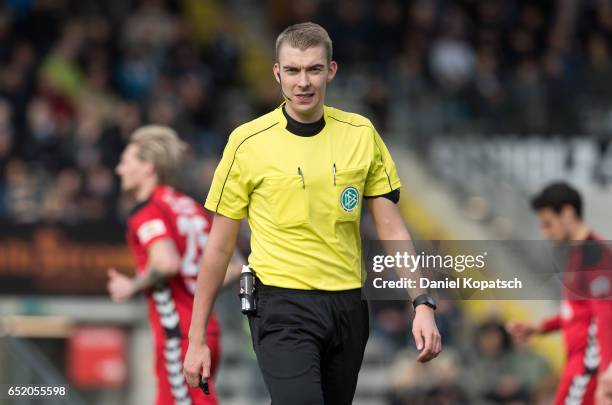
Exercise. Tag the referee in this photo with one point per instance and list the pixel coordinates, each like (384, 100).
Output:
(300, 174)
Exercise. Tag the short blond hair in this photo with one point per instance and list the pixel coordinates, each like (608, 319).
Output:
(161, 146)
(303, 36)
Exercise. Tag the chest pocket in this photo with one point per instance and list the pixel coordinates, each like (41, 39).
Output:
(349, 193)
(288, 200)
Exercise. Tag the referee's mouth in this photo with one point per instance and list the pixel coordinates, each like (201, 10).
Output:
(304, 97)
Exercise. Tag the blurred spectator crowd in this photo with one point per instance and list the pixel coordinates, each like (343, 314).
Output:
(503, 66)
(479, 364)
(76, 77)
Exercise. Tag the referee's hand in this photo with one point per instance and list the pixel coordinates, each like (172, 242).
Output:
(426, 334)
(196, 366)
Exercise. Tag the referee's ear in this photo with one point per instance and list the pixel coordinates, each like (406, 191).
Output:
(331, 71)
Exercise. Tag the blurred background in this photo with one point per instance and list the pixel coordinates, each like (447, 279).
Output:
(481, 103)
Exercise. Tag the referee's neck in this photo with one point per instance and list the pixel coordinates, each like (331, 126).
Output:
(303, 119)
(303, 129)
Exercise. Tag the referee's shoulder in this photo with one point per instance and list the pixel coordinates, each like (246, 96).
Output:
(349, 118)
(254, 127)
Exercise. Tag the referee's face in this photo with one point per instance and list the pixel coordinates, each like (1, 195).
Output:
(303, 76)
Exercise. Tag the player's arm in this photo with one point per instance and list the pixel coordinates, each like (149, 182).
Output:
(549, 325)
(390, 227)
(522, 331)
(219, 249)
(163, 262)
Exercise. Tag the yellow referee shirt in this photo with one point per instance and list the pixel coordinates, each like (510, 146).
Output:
(303, 196)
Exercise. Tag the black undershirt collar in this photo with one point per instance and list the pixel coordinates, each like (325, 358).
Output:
(302, 129)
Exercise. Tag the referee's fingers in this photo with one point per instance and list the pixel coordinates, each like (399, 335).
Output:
(192, 371)
(438, 345)
(425, 356)
(196, 364)
(430, 342)
(205, 371)
(192, 377)
(418, 339)
(428, 351)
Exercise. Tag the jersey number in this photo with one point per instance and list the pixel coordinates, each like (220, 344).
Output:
(192, 228)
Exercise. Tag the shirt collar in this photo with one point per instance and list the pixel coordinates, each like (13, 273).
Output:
(300, 128)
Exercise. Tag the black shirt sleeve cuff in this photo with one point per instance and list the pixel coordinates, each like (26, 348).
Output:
(393, 196)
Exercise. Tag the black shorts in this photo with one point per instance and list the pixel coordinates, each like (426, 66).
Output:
(310, 344)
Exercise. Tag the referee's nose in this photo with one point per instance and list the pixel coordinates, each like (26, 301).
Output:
(303, 81)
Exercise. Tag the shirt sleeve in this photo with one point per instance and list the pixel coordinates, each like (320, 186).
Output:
(382, 174)
(150, 226)
(229, 192)
(392, 196)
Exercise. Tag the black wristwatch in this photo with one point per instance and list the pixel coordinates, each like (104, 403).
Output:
(424, 299)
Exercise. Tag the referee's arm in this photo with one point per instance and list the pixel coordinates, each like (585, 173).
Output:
(217, 255)
(390, 226)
